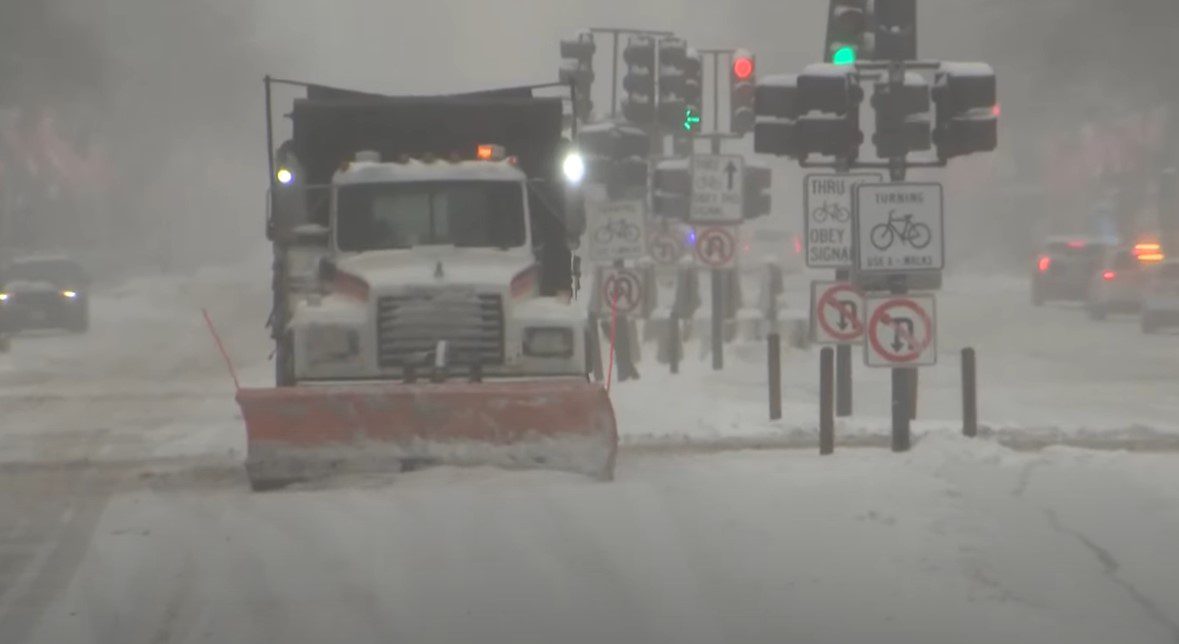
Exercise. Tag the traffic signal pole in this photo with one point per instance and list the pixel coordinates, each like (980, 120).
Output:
(616, 33)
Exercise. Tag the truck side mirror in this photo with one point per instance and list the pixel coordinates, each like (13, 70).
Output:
(327, 269)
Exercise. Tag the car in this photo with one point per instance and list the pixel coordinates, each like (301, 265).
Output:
(1117, 284)
(1160, 300)
(1064, 269)
(44, 293)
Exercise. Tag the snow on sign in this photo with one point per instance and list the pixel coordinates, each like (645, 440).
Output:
(623, 285)
(716, 247)
(615, 230)
(718, 183)
(837, 313)
(901, 331)
(827, 200)
(899, 227)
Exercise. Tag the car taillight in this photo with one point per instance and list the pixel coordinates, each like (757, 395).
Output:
(1045, 264)
(1109, 276)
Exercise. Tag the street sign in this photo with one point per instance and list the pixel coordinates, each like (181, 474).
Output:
(827, 202)
(625, 284)
(718, 189)
(901, 331)
(899, 227)
(615, 230)
(716, 247)
(837, 313)
(666, 247)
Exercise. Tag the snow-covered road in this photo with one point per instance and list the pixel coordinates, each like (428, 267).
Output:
(124, 516)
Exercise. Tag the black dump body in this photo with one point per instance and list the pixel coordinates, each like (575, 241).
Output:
(330, 126)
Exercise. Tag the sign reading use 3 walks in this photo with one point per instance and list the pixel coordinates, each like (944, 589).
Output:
(837, 313)
(899, 227)
(718, 189)
(827, 200)
(901, 331)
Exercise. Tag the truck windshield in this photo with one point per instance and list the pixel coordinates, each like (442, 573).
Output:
(469, 214)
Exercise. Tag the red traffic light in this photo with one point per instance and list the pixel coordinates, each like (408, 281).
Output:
(743, 66)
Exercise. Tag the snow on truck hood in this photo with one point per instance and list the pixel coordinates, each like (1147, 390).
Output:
(440, 266)
(412, 171)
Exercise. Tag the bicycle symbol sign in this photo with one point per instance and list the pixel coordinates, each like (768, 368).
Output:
(615, 230)
(716, 247)
(899, 227)
(827, 203)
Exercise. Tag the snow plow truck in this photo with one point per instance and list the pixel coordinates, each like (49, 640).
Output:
(423, 305)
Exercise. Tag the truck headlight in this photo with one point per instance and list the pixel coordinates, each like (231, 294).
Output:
(548, 342)
(331, 344)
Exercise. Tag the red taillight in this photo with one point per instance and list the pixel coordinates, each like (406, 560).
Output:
(1109, 276)
(1076, 245)
(351, 286)
(797, 245)
(1045, 264)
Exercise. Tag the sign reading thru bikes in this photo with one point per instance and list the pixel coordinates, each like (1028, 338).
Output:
(899, 227)
(615, 230)
(827, 201)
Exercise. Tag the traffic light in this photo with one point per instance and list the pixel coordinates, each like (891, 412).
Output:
(967, 109)
(615, 156)
(903, 122)
(577, 68)
(817, 112)
(896, 30)
(639, 82)
(673, 55)
(692, 88)
(756, 201)
(743, 85)
(778, 107)
(847, 25)
(671, 186)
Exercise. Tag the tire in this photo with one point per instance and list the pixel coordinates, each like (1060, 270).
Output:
(81, 324)
(882, 236)
(920, 236)
(1097, 312)
(1038, 298)
(1148, 324)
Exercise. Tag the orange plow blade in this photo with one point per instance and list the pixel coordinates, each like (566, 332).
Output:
(309, 432)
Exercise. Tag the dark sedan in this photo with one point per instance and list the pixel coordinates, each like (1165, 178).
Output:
(44, 293)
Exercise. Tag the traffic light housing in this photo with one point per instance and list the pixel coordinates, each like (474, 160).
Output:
(577, 68)
(816, 112)
(692, 93)
(756, 199)
(847, 27)
(671, 189)
(896, 30)
(967, 109)
(743, 88)
(638, 106)
(615, 156)
(903, 122)
(673, 55)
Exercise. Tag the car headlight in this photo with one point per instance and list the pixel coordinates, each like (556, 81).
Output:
(331, 344)
(548, 342)
(3, 297)
(69, 295)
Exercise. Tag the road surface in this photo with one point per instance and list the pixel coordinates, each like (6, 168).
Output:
(124, 514)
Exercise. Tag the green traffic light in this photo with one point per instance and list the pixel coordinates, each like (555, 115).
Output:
(691, 120)
(845, 55)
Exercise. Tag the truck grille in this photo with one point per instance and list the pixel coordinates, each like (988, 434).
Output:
(409, 328)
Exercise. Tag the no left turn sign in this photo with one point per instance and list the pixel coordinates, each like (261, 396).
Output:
(837, 313)
(716, 247)
(901, 331)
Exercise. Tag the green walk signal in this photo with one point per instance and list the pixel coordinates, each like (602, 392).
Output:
(691, 120)
(845, 55)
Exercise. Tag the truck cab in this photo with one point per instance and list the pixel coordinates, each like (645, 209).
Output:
(432, 267)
